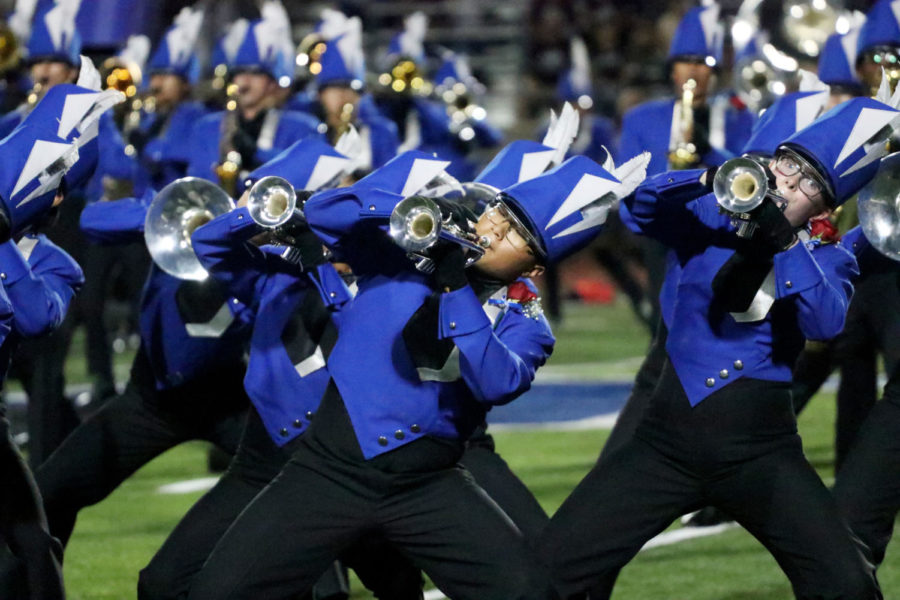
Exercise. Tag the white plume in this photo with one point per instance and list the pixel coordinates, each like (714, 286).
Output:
(136, 50)
(810, 82)
(581, 65)
(332, 23)
(88, 75)
(562, 132)
(350, 145)
(20, 20)
(412, 40)
(630, 174)
(233, 38)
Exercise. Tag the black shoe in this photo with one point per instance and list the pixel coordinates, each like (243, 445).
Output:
(706, 517)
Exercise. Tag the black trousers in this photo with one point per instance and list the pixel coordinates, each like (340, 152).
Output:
(737, 450)
(872, 329)
(132, 429)
(258, 460)
(23, 526)
(867, 489)
(327, 497)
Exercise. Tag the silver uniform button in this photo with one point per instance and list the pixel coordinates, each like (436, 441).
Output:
(382, 441)
(371, 207)
(723, 373)
(739, 364)
(452, 324)
(710, 382)
(2, 275)
(788, 284)
(333, 294)
(415, 428)
(399, 434)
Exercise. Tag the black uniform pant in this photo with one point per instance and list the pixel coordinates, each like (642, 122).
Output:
(23, 526)
(872, 328)
(737, 450)
(327, 497)
(258, 460)
(867, 489)
(132, 429)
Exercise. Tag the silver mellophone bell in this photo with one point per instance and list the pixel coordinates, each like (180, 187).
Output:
(740, 185)
(187, 203)
(416, 225)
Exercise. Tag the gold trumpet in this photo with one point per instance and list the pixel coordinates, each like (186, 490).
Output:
(683, 151)
(9, 48)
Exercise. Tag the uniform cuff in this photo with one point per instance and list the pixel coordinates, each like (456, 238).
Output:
(240, 221)
(796, 271)
(378, 203)
(461, 314)
(13, 265)
(682, 186)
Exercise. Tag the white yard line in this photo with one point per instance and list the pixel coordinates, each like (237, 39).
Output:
(664, 539)
(588, 423)
(188, 486)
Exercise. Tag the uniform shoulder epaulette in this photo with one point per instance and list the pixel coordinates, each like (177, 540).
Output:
(521, 294)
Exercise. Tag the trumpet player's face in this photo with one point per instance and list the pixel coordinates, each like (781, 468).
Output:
(255, 91)
(48, 74)
(802, 202)
(508, 256)
(168, 89)
(337, 101)
(699, 72)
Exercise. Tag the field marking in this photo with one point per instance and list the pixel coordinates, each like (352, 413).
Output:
(664, 539)
(589, 423)
(188, 486)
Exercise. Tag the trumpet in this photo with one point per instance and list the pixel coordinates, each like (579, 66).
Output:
(683, 152)
(176, 211)
(272, 203)
(416, 225)
(879, 208)
(740, 185)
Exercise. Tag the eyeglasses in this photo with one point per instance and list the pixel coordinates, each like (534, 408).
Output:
(517, 236)
(886, 57)
(808, 184)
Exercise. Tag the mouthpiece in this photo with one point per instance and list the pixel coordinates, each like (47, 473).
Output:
(484, 241)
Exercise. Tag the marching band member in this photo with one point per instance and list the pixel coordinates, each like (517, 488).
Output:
(878, 46)
(161, 136)
(294, 302)
(380, 454)
(340, 86)
(228, 144)
(40, 160)
(719, 427)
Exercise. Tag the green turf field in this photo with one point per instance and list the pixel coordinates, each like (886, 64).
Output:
(115, 538)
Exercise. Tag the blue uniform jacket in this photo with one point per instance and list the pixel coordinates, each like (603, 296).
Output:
(165, 158)
(179, 351)
(389, 402)
(39, 280)
(648, 127)
(805, 296)
(206, 135)
(6, 319)
(286, 394)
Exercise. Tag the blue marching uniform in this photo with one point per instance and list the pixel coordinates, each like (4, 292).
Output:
(185, 381)
(286, 377)
(383, 442)
(719, 428)
(163, 143)
(38, 282)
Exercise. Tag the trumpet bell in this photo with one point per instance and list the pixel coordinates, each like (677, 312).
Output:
(176, 211)
(740, 185)
(879, 208)
(272, 201)
(415, 223)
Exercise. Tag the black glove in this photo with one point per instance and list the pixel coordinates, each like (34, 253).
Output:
(710, 178)
(774, 232)
(449, 267)
(306, 247)
(701, 131)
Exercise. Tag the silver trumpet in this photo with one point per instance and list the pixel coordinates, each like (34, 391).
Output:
(740, 185)
(176, 211)
(879, 208)
(416, 225)
(272, 202)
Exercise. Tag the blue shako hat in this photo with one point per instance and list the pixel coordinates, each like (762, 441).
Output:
(519, 161)
(699, 35)
(343, 61)
(882, 27)
(788, 115)
(175, 53)
(57, 139)
(309, 164)
(837, 63)
(265, 46)
(566, 207)
(846, 143)
(53, 33)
